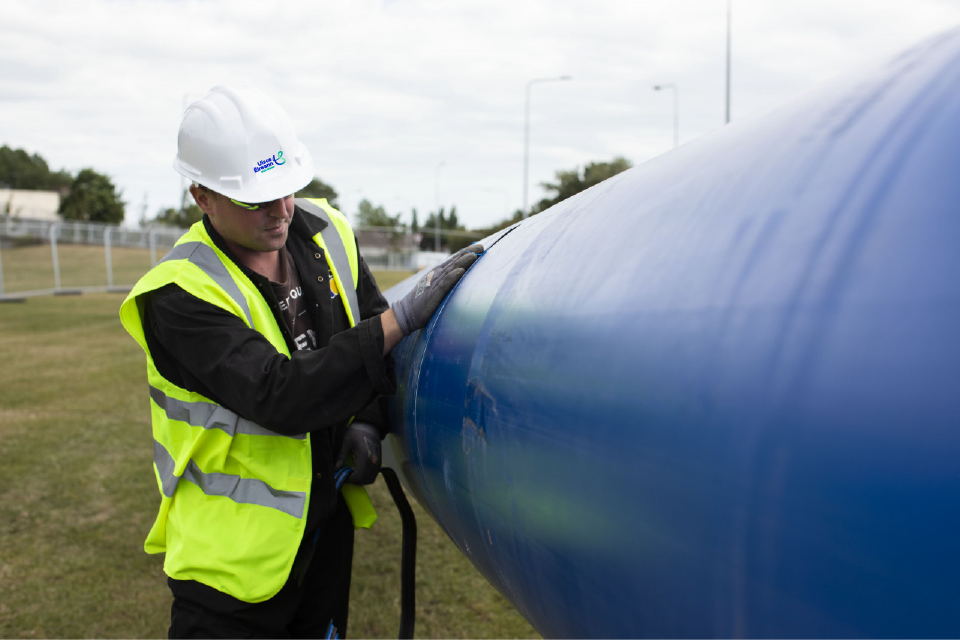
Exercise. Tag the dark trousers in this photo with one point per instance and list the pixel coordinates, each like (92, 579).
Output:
(297, 611)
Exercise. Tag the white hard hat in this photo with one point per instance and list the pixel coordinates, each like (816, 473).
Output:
(241, 143)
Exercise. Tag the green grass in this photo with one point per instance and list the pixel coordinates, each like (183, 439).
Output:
(30, 268)
(77, 496)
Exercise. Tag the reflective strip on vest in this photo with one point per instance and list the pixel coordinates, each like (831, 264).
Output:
(210, 415)
(165, 467)
(240, 490)
(208, 261)
(338, 254)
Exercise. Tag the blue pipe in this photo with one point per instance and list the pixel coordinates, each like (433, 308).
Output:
(717, 395)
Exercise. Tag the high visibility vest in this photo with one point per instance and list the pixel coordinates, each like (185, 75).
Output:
(234, 495)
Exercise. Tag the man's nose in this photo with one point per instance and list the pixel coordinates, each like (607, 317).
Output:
(281, 208)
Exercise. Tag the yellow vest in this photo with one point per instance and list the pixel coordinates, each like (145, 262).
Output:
(234, 495)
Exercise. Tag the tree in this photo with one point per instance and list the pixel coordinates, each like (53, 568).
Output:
(93, 198)
(453, 235)
(568, 184)
(371, 216)
(503, 224)
(20, 170)
(572, 182)
(176, 218)
(318, 189)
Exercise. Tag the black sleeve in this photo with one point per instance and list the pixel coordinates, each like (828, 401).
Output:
(203, 348)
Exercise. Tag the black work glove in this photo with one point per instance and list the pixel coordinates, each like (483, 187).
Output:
(363, 441)
(415, 309)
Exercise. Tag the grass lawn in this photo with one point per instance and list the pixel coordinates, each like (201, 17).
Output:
(77, 496)
(30, 268)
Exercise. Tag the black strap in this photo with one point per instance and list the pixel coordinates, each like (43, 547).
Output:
(408, 554)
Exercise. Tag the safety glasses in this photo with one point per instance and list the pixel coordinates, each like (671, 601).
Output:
(258, 205)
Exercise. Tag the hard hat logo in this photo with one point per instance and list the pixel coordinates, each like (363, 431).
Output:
(270, 163)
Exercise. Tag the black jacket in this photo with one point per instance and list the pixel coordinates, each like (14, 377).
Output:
(200, 347)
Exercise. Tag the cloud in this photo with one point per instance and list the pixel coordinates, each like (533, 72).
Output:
(382, 92)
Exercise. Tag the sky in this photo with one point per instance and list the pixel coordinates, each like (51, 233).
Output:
(415, 104)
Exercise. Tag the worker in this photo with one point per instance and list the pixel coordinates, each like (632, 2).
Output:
(267, 344)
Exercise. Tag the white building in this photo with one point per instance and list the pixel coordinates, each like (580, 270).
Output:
(31, 205)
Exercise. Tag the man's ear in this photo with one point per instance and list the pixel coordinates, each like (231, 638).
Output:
(202, 197)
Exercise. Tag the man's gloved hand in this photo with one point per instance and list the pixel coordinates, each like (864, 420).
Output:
(363, 441)
(415, 309)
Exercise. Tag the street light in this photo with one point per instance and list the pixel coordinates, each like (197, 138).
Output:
(676, 110)
(436, 219)
(526, 136)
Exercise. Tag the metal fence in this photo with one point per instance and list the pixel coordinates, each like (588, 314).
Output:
(23, 241)
(33, 260)
(69, 231)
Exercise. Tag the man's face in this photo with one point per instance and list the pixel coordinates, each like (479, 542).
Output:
(263, 230)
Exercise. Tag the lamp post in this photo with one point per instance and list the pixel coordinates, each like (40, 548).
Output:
(676, 110)
(436, 219)
(526, 135)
